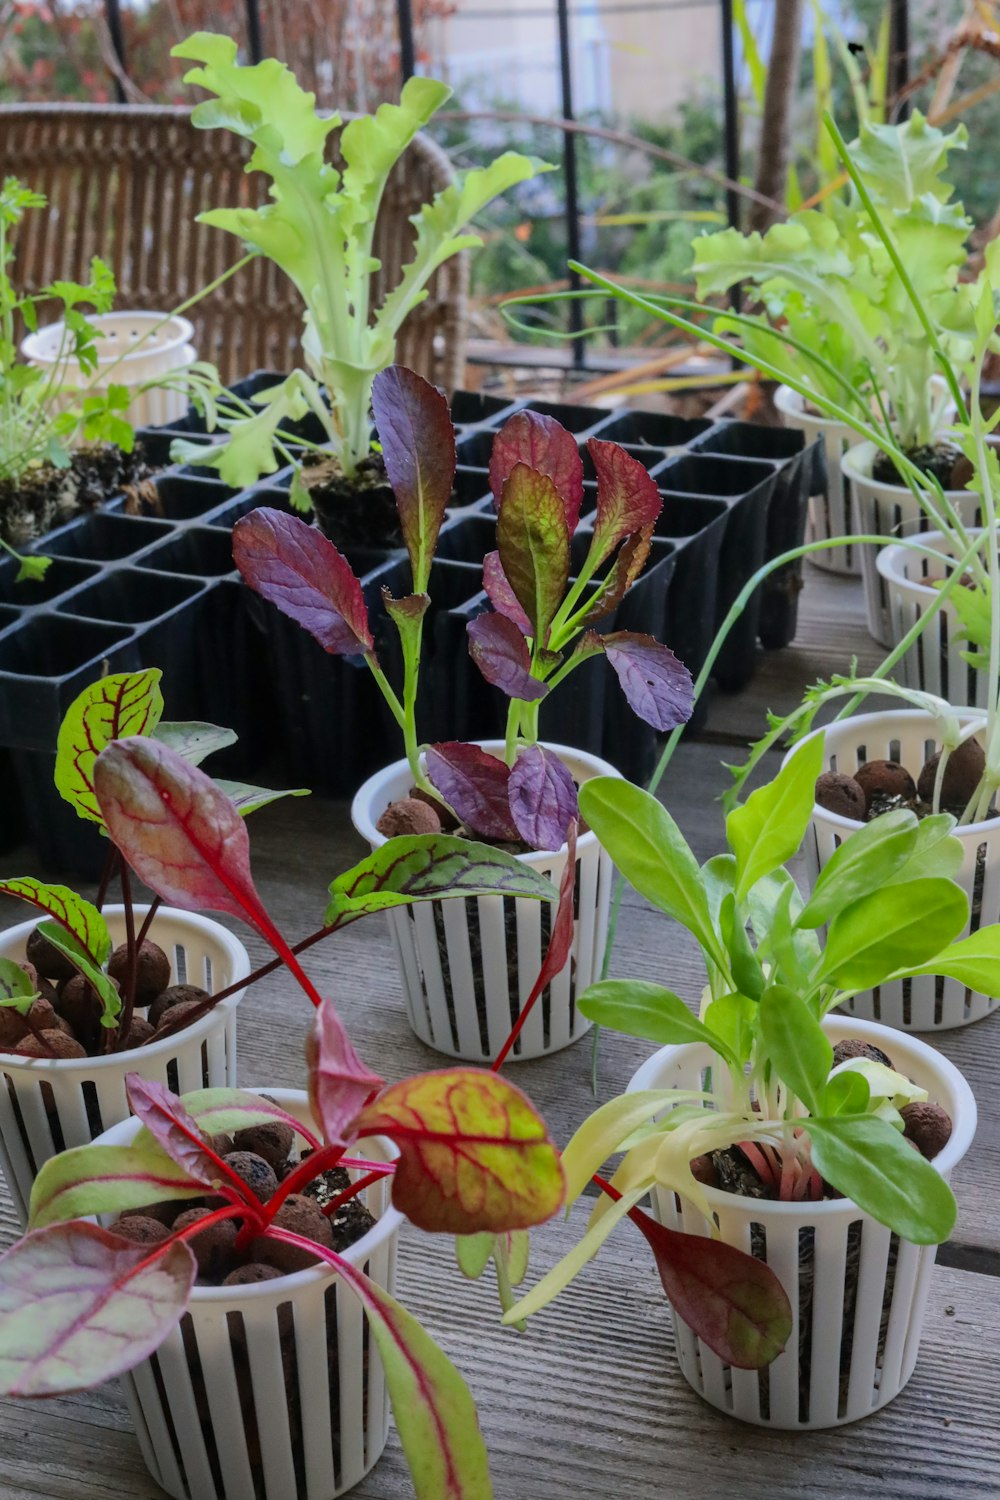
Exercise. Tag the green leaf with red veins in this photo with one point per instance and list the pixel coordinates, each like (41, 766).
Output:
(125, 703)
(225, 1111)
(501, 653)
(473, 1152)
(501, 595)
(533, 539)
(622, 574)
(474, 784)
(16, 989)
(79, 1306)
(76, 916)
(418, 448)
(298, 570)
(170, 1125)
(530, 437)
(658, 686)
(339, 1083)
(627, 498)
(107, 1179)
(70, 946)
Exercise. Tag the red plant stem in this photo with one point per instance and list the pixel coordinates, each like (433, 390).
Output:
(379, 1168)
(148, 920)
(308, 1168)
(518, 1026)
(117, 1039)
(107, 874)
(216, 1217)
(352, 1192)
(760, 1162)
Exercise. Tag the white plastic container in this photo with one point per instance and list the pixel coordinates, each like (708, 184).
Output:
(928, 1003)
(934, 662)
(467, 967)
(127, 342)
(48, 1105)
(858, 1292)
(890, 510)
(832, 511)
(288, 1388)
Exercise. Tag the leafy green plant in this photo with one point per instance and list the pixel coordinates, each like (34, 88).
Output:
(319, 228)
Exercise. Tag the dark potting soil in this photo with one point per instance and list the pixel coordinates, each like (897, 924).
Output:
(942, 461)
(359, 512)
(45, 497)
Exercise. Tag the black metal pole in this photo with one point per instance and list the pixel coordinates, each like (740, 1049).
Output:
(113, 16)
(899, 54)
(255, 42)
(571, 179)
(730, 99)
(407, 48)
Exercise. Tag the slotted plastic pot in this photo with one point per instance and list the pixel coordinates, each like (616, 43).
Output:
(467, 966)
(273, 1391)
(929, 1002)
(50, 1104)
(858, 1292)
(935, 662)
(832, 511)
(140, 346)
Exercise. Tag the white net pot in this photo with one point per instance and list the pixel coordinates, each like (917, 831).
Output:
(858, 1292)
(890, 510)
(934, 663)
(832, 510)
(126, 341)
(929, 1002)
(273, 1391)
(468, 966)
(50, 1104)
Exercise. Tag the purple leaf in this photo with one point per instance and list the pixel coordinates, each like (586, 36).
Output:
(500, 652)
(294, 567)
(169, 1123)
(627, 498)
(543, 799)
(500, 593)
(658, 686)
(474, 784)
(339, 1083)
(533, 540)
(545, 446)
(624, 571)
(418, 447)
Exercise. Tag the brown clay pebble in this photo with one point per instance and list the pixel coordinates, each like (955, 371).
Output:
(408, 816)
(139, 1033)
(41, 1014)
(12, 1028)
(840, 794)
(446, 817)
(703, 1170)
(164, 1213)
(272, 1141)
(59, 1045)
(885, 778)
(80, 1005)
(962, 774)
(140, 1229)
(258, 1174)
(177, 994)
(214, 1247)
(47, 959)
(843, 1051)
(175, 1014)
(250, 1274)
(299, 1215)
(221, 1144)
(928, 1126)
(152, 970)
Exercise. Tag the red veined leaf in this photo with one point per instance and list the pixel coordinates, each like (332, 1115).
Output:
(418, 446)
(622, 574)
(107, 1179)
(297, 569)
(530, 437)
(627, 497)
(658, 686)
(501, 653)
(121, 704)
(543, 800)
(81, 920)
(473, 1152)
(500, 593)
(474, 784)
(169, 1123)
(339, 1083)
(225, 1111)
(533, 540)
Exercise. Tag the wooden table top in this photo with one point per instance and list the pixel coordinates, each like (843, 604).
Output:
(589, 1404)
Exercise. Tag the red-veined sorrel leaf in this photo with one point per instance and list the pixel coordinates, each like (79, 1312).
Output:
(543, 800)
(296, 568)
(76, 916)
(123, 704)
(474, 784)
(531, 438)
(418, 447)
(500, 593)
(501, 653)
(533, 540)
(225, 1111)
(473, 1152)
(658, 686)
(426, 866)
(193, 739)
(16, 989)
(339, 1083)
(624, 571)
(734, 1303)
(107, 1179)
(627, 498)
(170, 1125)
(70, 946)
(79, 1306)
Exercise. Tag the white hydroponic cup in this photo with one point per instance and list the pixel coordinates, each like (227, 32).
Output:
(929, 1002)
(468, 966)
(934, 663)
(127, 341)
(274, 1390)
(50, 1104)
(832, 511)
(858, 1292)
(885, 509)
